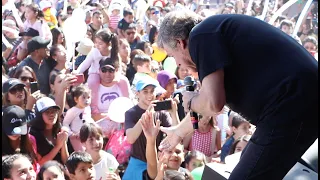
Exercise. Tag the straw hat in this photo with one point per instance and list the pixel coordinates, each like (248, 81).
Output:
(85, 46)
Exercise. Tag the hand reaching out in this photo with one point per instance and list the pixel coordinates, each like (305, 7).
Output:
(150, 129)
(162, 166)
(172, 139)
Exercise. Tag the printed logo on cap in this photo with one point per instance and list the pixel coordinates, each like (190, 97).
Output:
(14, 120)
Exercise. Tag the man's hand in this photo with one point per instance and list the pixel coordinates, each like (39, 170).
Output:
(186, 96)
(150, 129)
(172, 139)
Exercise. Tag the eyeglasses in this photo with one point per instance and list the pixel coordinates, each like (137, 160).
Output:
(25, 78)
(104, 70)
(129, 33)
(16, 89)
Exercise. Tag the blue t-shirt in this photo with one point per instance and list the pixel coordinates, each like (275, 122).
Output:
(226, 148)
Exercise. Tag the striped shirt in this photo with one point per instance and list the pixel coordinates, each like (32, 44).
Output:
(114, 20)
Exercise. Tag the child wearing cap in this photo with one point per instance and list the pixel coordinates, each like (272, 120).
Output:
(146, 94)
(50, 137)
(168, 81)
(15, 136)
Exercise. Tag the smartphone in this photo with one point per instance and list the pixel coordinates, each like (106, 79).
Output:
(162, 105)
(34, 87)
(80, 78)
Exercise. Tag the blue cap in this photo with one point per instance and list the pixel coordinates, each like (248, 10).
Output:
(141, 84)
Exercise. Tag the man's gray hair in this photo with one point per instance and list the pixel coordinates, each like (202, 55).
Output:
(177, 25)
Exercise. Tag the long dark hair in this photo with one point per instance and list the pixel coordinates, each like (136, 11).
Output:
(49, 164)
(38, 124)
(152, 34)
(50, 61)
(24, 148)
(108, 37)
(19, 71)
(55, 35)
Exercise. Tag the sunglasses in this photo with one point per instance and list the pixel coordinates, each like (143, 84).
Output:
(105, 69)
(156, 12)
(129, 33)
(25, 78)
(16, 89)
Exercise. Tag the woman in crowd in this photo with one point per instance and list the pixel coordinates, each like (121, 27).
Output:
(17, 166)
(124, 53)
(181, 73)
(15, 136)
(58, 59)
(168, 81)
(26, 75)
(51, 139)
(145, 47)
(58, 37)
(14, 93)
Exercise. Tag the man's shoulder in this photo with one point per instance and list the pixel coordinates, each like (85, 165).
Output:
(132, 111)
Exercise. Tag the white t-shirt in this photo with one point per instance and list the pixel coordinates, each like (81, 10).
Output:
(106, 96)
(92, 60)
(223, 125)
(102, 167)
(72, 120)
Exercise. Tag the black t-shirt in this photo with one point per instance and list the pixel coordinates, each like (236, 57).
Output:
(43, 145)
(132, 116)
(123, 24)
(262, 65)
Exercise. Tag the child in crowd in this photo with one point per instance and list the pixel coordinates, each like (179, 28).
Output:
(239, 144)
(106, 45)
(194, 159)
(168, 81)
(53, 170)
(114, 17)
(207, 132)
(17, 166)
(80, 166)
(33, 16)
(78, 114)
(105, 164)
(124, 23)
(141, 64)
(240, 127)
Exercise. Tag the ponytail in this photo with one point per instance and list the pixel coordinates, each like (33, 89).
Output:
(115, 46)
(40, 14)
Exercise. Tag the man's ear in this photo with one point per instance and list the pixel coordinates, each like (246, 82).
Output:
(182, 43)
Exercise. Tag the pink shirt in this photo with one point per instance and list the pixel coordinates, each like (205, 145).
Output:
(41, 26)
(200, 141)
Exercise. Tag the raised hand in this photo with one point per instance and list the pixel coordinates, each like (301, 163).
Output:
(150, 129)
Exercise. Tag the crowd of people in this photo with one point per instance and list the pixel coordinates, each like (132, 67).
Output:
(56, 122)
